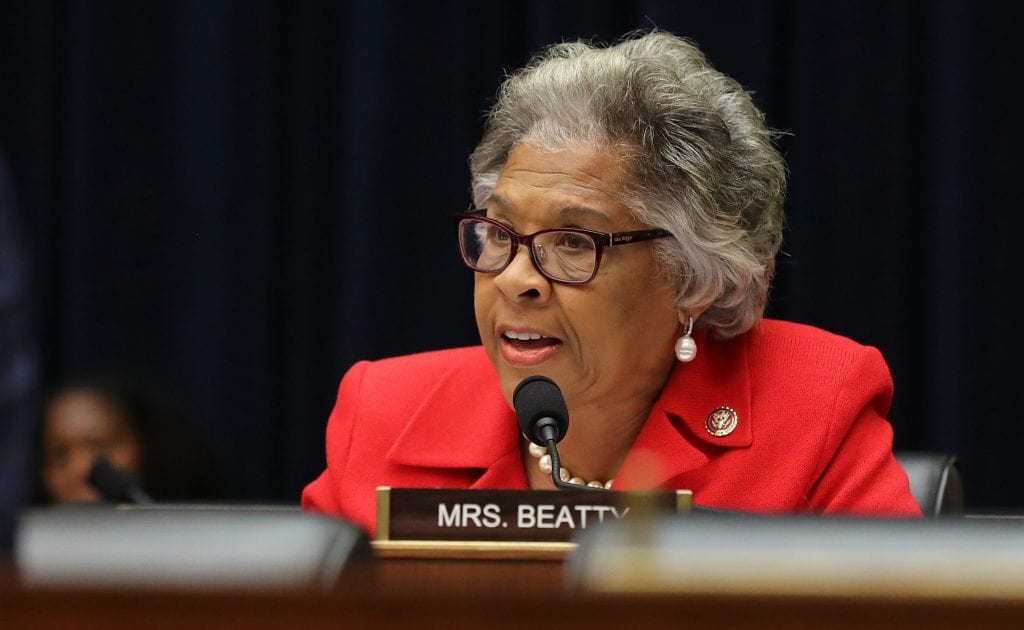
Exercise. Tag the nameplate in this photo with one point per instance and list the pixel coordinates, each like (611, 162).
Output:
(510, 515)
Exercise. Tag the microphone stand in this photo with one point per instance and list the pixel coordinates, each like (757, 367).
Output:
(549, 433)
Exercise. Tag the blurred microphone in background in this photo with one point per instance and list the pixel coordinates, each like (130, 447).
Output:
(115, 485)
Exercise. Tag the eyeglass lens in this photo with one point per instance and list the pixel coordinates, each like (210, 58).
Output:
(562, 255)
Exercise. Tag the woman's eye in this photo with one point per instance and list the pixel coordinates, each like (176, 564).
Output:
(573, 241)
(496, 234)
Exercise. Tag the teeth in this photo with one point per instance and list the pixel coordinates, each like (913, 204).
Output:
(524, 336)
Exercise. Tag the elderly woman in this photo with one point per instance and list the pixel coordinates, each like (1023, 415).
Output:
(629, 209)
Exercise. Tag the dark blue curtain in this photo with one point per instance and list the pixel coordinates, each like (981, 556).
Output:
(241, 199)
(18, 366)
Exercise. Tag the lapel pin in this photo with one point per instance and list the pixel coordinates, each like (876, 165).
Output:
(721, 422)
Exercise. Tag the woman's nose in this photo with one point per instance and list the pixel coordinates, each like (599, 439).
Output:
(76, 485)
(82, 460)
(522, 280)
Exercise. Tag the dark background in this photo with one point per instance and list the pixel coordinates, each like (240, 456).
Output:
(241, 199)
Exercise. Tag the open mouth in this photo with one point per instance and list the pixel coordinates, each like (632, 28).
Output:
(529, 340)
(527, 348)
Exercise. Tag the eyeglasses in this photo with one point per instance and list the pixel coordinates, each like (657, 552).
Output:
(568, 255)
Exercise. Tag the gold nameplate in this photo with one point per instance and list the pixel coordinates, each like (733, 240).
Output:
(510, 515)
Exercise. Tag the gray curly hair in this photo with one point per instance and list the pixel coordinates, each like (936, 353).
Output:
(704, 165)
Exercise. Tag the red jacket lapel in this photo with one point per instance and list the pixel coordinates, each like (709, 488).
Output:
(675, 439)
(464, 422)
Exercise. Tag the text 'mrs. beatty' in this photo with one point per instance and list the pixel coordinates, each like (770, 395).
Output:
(509, 515)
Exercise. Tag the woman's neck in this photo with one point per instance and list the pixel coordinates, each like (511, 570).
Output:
(601, 434)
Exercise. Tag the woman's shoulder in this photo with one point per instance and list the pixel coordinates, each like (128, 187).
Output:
(779, 333)
(792, 348)
(431, 361)
(413, 372)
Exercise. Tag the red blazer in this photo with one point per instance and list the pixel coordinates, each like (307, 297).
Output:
(810, 434)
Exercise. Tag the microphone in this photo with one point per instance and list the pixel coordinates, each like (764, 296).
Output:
(544, 420)
(116, 485)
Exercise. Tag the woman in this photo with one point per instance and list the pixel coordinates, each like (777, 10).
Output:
(629, 211)
(137, 427)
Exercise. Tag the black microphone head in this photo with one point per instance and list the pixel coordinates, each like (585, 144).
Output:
(538, 398)
(113, 483)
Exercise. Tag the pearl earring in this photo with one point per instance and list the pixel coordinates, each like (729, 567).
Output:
(686, 347)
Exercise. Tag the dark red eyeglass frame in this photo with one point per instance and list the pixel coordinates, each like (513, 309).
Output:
(601, 240)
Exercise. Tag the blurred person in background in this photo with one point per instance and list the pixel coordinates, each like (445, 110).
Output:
(137, 427)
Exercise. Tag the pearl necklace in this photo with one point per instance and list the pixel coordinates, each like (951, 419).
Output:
(540, 453)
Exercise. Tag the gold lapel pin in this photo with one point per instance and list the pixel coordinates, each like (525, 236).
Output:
(721, 422)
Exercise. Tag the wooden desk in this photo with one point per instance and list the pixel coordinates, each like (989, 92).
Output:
(460, 593)
(87, 609)
(437, 567)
